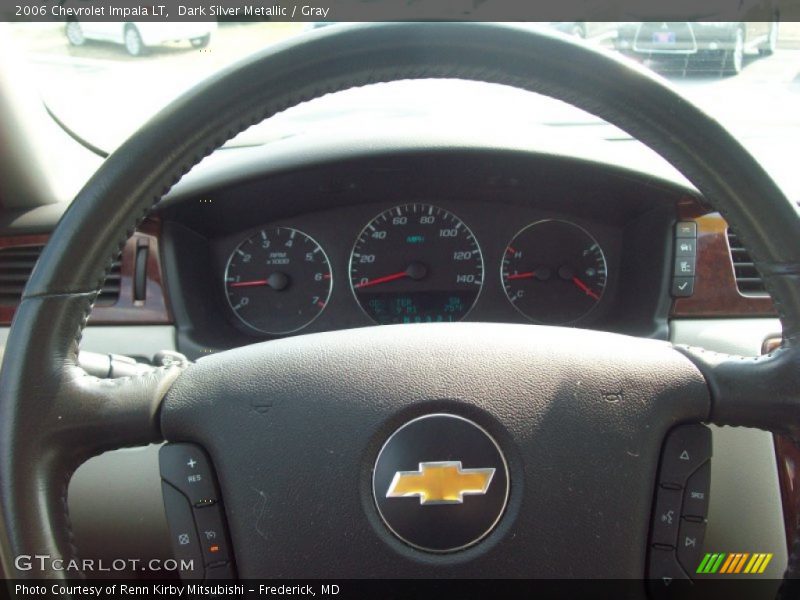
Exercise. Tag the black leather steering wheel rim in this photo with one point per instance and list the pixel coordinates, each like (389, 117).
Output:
(54, 416)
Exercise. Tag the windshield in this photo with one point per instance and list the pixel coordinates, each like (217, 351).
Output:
(103, 80)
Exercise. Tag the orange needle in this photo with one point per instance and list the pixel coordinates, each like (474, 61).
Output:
(585, 288)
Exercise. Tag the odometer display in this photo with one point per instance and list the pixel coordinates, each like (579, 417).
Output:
(416, 263)
(278, 280)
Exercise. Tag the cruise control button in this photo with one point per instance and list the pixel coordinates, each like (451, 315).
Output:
(211, 529)
(687, 447)
(187, 468)
(690, 544)
(686, 229)
(667, 517)
(695, 496)
(183, 534)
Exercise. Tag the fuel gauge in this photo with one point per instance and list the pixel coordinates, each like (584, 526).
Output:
(554, 272)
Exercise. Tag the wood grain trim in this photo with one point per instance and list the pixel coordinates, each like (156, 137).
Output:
(788, 456)
(715, 292)
(7, 312)
(23, 240)
(153, 310)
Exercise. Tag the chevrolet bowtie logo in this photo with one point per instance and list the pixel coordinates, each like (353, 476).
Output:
(440, 483)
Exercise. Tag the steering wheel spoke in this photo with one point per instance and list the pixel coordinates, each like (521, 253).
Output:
(67, 417)
(761, 392)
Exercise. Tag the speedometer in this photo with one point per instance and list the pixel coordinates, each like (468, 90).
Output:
(416, 263)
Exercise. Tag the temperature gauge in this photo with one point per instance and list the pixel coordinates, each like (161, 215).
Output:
(554, 272)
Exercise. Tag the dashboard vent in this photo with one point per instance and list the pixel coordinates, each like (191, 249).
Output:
(109, 293)
(17, 262)
(748, 280)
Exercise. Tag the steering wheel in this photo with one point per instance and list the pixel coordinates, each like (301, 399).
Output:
(299, 480)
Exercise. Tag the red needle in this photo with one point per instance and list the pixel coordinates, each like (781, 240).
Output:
(585, 288)
(527, 275)
(249, 283)
(384, 279)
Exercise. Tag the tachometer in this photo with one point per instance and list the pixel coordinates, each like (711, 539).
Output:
(554, 272)
(278, 280)
(416, 263)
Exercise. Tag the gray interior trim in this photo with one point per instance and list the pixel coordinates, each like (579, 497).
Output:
(140, 340)
(25, 180)
(231, 165)
(28, 221)
(117, 510)
(115, 498)
(234, 164)
(120, 491)
(137, 341)
(40, 163)
(745, 514)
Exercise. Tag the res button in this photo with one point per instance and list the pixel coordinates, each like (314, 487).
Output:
(186, 467)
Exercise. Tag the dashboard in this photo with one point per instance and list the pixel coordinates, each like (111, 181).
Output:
(419, 237)
(409, 231)
(416, 263)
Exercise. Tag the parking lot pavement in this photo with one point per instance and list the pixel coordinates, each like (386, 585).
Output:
(98, 80)
(230, 41)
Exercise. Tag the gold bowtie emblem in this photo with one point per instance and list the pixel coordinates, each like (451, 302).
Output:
(440, 483)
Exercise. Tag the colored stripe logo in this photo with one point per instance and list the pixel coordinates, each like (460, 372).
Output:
(734, 563)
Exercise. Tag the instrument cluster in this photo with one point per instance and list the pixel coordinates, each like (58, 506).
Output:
(416, 263)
